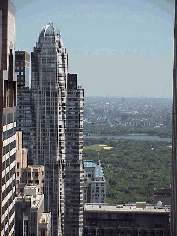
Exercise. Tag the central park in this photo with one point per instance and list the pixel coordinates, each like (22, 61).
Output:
(132, 168)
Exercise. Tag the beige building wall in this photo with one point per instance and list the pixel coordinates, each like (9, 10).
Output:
(33, 174)
(21, 158)
(30, 210)
(7, 117)
(44, 227)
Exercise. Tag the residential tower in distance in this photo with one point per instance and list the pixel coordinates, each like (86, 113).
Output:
(94, 182)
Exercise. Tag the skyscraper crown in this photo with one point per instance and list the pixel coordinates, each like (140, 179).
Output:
(49, 30)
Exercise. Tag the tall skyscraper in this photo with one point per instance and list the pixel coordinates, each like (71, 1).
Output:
(57, 131)
(174, 136)
(7, 117)
(73, 164)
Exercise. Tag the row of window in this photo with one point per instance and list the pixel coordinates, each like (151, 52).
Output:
(9, 118)
(9, 147)
(8, 175)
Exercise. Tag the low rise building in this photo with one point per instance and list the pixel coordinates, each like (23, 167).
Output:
(130, 219)
(30, 214)
(163, 195)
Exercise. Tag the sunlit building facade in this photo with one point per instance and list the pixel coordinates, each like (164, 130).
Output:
(7, 118)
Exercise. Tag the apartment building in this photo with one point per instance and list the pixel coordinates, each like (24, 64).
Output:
(94, 182)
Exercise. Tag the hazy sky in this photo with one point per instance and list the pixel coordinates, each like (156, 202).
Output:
(117, 47)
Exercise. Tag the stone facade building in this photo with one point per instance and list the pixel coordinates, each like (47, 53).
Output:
(94, 183)
(30, 218)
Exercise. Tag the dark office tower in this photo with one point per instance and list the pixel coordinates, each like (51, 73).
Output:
(22, 68)
(74, 173)
(50, 144)
(7, 117)
(174, 135)
(24, 115)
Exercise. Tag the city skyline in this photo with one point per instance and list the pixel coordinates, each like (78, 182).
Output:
(128, 44)
(53, 109)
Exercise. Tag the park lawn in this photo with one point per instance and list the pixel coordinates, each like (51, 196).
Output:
(96, 147)
(107, 148)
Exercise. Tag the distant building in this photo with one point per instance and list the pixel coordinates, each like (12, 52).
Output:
(162, 194)
(123, 100)
(30, 218)
(134, 219)
(7, 117)
(94, 182)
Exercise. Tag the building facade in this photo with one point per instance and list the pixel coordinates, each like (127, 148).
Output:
(22, 68)
(73, 171)
(163, 195)
(56, 132)
(32, 175)
(7, 117)
(26, 174)
(94, 182)
(21, 159)
(131, 219)
(24, 113)
(30, 218)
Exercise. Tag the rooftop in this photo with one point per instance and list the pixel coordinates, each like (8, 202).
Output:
(97, 166)
(125, 208)
(36, 201)
(49, 30)
(31, 190)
